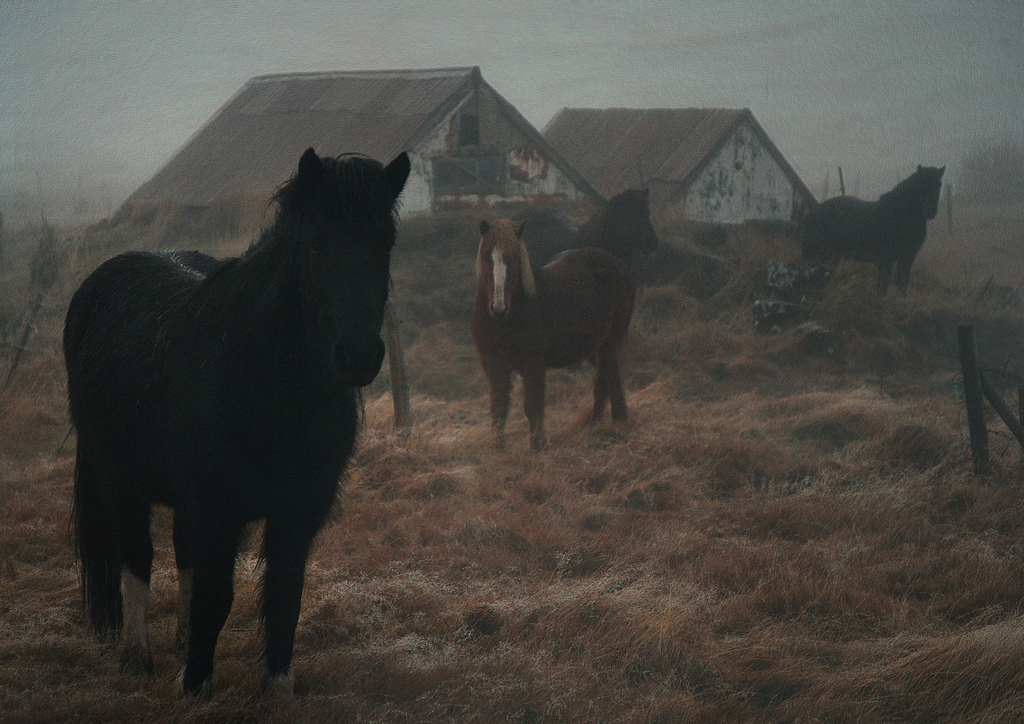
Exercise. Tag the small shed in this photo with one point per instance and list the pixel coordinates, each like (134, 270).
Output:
(711, 164)
(467, 144)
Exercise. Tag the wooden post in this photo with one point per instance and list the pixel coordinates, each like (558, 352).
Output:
(1002, 410)
(973, 399)
(842, 185)
(30, 325)
(396, 365)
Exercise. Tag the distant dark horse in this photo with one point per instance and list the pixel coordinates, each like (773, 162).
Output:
(527, 319)
(226, 391)
(886, 232)
(620, 226)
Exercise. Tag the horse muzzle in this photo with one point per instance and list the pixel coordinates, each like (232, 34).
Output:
(357, 359)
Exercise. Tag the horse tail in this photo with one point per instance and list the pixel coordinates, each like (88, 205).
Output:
(95, 547)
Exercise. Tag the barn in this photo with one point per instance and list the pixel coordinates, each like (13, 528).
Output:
(712, 165)
(467, 144)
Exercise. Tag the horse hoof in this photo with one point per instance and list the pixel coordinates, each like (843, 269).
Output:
(203, 693)
(281, 687)
(136, 661)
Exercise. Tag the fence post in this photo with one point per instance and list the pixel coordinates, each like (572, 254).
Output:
(1002, 410)
(396, 365)
(973, 399)
(19, 350)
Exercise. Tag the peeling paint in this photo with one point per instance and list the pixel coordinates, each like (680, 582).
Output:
(741, 181)
(527, 164)
(526, 175)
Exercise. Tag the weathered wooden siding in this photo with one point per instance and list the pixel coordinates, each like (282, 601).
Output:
(509, 166)
(742, 180)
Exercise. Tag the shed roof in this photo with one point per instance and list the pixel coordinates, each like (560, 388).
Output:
(254, 140)
(619, 148)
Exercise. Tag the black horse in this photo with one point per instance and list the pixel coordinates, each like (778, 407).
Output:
(888, 232)
(619, 226)
(226, 391)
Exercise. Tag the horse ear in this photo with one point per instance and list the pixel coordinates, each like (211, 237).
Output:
(397, 172)
(519, 229)
(484, 226)
(309, 165)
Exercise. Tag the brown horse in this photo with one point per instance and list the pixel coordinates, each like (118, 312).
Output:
(527, 319)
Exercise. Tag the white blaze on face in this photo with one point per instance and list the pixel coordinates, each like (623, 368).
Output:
(500, 272)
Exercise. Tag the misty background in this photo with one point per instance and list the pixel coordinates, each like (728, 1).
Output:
(96, 96)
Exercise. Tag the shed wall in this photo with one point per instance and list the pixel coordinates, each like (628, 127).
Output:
(505, 166)
(741, 181)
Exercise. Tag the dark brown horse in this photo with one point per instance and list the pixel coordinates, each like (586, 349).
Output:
(527, 319)
(621, 226)
(888, 232)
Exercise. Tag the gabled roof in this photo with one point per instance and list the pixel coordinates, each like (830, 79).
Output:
(254, 140)
(620, 148)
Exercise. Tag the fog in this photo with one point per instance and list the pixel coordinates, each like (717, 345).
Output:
(95, 97)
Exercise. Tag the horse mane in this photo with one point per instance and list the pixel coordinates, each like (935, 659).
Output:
(925, 180)
(350, 189)
(506, 235)
(589, 233)
(356, 186)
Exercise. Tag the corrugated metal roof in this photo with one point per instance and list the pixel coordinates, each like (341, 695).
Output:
(254, 141)
(620, 148)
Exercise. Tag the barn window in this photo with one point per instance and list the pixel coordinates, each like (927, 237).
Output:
(469, 174)
(469, 129)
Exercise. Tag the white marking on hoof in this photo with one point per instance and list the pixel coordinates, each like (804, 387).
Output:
(135, 654)
(184, 606)
(282, 686)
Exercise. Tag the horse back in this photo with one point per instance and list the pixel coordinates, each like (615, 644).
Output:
(842, 227)
(127, 295)
(547, 233)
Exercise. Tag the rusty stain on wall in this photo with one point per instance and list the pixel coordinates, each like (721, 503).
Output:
(526, 164)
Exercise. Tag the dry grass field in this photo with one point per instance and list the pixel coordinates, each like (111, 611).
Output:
(771, 537)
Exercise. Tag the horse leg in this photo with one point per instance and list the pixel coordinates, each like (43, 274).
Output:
(285, 549)
(903, 273)
(184, 561)
(212, 594)
(137, 545)
(608, 385)
(533, 403)
(499, 376)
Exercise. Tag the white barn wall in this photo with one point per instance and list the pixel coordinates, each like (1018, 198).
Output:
(741, 181)
(531, 175)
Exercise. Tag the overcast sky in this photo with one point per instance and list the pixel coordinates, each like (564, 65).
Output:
(98, 94)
